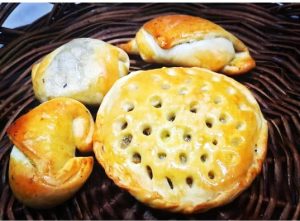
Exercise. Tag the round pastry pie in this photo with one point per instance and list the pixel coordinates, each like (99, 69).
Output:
(83, 69)
(181, 139)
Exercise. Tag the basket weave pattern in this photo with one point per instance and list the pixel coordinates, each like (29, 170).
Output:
(271, 31)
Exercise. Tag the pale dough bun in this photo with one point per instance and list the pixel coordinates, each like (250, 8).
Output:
(189, 41)
(43, 169)
(180, 139)
(83, 69)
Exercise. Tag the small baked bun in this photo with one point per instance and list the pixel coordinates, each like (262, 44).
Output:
(43, 169)
(83, 69)
(189, 141)
(189, 41)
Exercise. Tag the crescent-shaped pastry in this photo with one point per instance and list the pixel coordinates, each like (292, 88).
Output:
(43, 169)
(183, 40)
(83, 69)
(189, 141)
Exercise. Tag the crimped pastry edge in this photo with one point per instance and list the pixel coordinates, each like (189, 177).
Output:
(154, 200)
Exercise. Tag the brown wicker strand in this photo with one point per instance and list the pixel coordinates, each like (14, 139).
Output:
(272, 33)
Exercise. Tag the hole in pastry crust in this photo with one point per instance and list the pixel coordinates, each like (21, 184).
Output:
(165, 135)
(128, 106)
(187, 137)
(126, 140)
(136, 158)
(215, 142)
(183, 91)
(149, 172)
(193, 107)
(203, 157)
(255, 148)
(171, 116)
(161, 155)
(223, 118)
(170, 182)
(209, 122)
(156, 102)
(120, 124)
(193, 110)
(211, 175)
(124, 125)
(189, 181)
(147, 130)
(183, 158)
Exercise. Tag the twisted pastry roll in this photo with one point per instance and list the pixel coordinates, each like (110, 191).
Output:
(43, 169)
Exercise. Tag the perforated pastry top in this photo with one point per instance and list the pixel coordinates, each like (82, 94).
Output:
(180, 139)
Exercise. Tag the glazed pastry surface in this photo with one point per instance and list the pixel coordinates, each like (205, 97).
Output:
(184, 40)
(83, 69)
(43, 168)
(180, 139)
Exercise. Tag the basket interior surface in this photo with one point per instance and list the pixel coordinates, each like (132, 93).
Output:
(271, 32)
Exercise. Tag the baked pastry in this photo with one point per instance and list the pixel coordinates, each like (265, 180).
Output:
(83, 69)
(184, 40)
(189, 141)
(43, 169)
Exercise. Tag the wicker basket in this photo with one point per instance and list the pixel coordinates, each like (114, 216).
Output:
(271, 31)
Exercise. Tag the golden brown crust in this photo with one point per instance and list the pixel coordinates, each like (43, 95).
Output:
(85, 75)
(172, 30)
(234, 140)
(130, 47)
(43, 169)
(240, 64)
